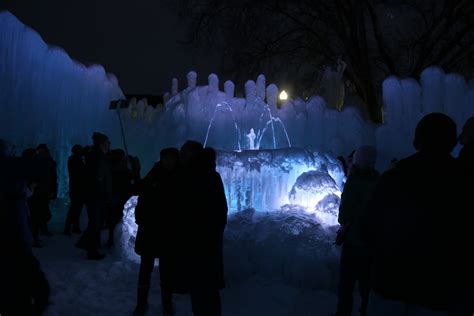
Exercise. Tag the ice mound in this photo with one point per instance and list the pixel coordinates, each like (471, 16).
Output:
(312, 187)
(288, 245)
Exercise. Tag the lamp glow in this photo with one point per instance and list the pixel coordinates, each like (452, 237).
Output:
(283, 95)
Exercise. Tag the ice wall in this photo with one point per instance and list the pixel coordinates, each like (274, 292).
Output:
(406, 101)
(223, 121)
(46, 97)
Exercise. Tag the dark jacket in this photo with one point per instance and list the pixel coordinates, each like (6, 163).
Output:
(48, 183)
(15, 233)
(155, 203)
(418, 230)
(357, 192)
(77, 179)
(208, 231)
(466, 161)
(195, 258)
(98, 177)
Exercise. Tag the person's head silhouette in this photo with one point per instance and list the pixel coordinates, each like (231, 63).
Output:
(435, 134)
(190, 152)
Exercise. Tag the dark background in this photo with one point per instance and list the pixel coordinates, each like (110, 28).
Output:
(141, 42)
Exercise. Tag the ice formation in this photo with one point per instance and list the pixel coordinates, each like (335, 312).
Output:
(269, 156)
(46, 97)
(269, 181)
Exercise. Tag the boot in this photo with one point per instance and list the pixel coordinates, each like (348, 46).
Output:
(142, 300)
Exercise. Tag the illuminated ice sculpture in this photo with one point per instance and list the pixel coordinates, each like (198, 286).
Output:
(270, 180)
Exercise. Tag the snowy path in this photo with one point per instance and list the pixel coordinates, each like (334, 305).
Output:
(82, 287)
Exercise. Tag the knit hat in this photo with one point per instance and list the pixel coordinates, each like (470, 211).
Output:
(365, 157)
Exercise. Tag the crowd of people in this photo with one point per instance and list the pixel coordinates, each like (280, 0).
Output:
(406, 234)
(185, 234)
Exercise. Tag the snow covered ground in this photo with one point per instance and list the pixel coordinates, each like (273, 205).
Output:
(279, 263)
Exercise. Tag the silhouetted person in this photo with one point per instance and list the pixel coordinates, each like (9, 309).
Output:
(343, 164)
(98, 194)
(355, 259)
(177, 256)
(349, 162)
(466, 155)
(155, 202)
(135, 168)
(45, 191)
(208, 219)
(466, 163)
(419, 227)
(393, 163)
(23, 287)
(122, 179)
(77, 187)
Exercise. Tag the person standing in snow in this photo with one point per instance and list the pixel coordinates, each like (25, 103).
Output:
(24, 289)
(98, 193)
(192, 258)
(121, 190)
(76, 168)
(46, 190)
(177, 257)
(155, 202)
(466, 155)
(466, 163)
(419, 227)
(208, 224)
(355, 259)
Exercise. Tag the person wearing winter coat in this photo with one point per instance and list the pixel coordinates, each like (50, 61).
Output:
(355, 259)
(98, 193)
(466, 163)
(466, 155)
(46, 190)
(192, 258)
(155, 202)
(122, 179)
(419, 227)
(24, 289)
(76, 168)
(208, 220)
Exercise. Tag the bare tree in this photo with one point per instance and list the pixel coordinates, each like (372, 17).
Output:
(297, 38)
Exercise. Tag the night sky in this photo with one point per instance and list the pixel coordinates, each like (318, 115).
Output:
(139, 41)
